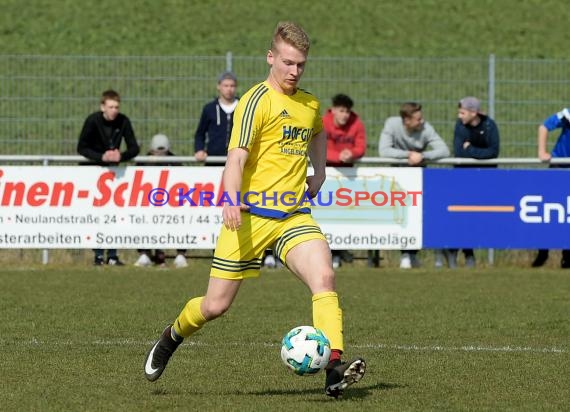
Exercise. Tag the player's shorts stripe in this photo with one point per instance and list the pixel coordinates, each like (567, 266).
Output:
(237, 270)
(249, 112)
(235, 266)
(226, 262)
(290, 234)
(233, 261)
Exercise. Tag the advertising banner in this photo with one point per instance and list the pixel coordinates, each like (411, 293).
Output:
(179, 207)
(97, 207)
(497, 208)
(372, 208)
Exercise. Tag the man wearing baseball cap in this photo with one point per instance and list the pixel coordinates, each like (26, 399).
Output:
(476, 136)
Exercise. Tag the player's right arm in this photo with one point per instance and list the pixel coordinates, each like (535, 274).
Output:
(248, 122)
(232, 178)
(318, 156)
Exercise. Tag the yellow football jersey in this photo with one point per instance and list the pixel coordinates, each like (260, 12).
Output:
(276, 129)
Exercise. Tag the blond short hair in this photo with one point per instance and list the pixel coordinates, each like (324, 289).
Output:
(291, 33)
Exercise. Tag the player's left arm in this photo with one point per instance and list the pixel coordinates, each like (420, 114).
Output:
(318, 156)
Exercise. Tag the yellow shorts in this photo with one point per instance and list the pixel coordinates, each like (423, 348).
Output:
(239, 254)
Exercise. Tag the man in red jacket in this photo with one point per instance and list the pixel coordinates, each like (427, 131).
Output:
(346, 142)
(346, 134)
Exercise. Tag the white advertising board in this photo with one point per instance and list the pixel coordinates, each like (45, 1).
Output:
(52, 207)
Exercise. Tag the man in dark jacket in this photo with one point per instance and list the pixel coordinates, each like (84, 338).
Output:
(476, 136)
(103, 131)
(100, 140)
(213, 132)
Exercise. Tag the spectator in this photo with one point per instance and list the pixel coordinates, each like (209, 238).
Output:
(475, 136)
(100, 140)
(346, 142)
(213, 132)
(560, 120)
(409, 136)
(160, 146)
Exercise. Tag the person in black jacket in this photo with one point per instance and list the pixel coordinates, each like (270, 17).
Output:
(213, 132)
(476, 136)
(100, 141)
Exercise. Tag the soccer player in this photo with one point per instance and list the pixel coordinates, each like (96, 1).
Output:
(277, 125)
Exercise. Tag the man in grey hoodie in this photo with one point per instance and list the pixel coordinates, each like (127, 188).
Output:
(409, 136)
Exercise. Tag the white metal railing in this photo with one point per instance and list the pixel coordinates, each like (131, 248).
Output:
(520, 161)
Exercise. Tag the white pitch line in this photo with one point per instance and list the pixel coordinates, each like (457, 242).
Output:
(414, 348)
(470, 348)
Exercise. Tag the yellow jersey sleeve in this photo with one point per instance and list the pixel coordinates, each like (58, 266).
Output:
(276, 129)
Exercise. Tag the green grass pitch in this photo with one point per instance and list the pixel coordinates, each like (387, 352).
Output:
(75, 338)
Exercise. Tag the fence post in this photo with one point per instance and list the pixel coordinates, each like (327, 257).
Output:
(229, 61)
(492, 86)
(491, 105)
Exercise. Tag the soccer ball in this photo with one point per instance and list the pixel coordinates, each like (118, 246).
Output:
(305, 350)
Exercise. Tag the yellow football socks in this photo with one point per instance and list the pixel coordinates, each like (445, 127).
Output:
(190, 319)
(327, 316)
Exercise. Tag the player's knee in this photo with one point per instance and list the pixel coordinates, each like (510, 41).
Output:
(327, 279)
(213, 310)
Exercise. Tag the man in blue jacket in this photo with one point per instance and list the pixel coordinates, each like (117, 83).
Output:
(213, 132)
(560, 120)
(476, 136)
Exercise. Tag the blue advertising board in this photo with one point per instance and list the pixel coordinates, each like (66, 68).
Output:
(496, 208)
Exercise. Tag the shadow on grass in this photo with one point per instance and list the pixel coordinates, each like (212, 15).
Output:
(162, 391)
(357, 392)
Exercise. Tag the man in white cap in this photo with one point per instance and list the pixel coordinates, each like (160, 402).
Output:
(160, 146)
